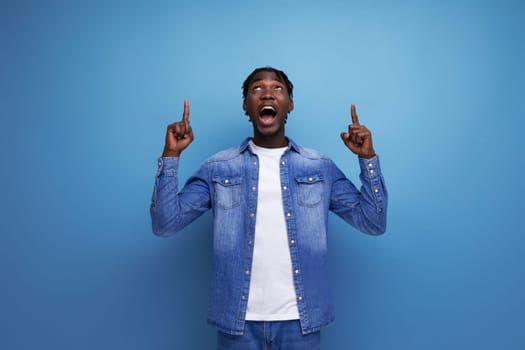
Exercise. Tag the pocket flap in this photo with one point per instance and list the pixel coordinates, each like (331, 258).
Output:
(227, 180)
(309, 179)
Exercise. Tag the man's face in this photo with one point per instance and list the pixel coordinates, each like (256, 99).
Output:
(267, 103)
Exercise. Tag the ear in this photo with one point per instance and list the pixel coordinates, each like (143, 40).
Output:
(290, 106)
(244, 105)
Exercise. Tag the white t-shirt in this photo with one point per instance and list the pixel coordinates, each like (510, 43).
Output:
(272, 293)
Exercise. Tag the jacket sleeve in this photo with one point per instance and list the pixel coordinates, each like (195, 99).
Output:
(171, 210)
(365, 209)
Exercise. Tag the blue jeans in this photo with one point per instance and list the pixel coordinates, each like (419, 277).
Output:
(272, 335)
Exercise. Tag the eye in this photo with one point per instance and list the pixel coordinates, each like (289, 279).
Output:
(257, 88)
(278, 88)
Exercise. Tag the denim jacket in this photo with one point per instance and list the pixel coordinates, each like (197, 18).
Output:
(311, 186)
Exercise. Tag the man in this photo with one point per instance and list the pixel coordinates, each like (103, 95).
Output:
(270, 200)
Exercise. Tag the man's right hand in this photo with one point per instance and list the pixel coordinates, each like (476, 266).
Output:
(179, 135)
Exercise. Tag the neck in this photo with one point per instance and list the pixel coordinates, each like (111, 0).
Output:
(270, 142)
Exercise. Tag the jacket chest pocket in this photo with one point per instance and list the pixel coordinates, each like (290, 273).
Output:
(227, 191)
(309, 190)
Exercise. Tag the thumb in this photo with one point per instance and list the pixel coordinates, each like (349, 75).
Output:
(348, 143)
(344, 137)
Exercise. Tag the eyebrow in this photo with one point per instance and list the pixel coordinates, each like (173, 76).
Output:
(260, 79)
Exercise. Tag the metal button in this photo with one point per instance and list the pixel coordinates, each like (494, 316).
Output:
(300, 297)
(296, 271)
(254, 188)
(376, 190)
(292, 241)
(226, 181)
(285, 188)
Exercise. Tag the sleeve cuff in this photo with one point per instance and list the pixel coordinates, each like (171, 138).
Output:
(370, 167)
(168, 166)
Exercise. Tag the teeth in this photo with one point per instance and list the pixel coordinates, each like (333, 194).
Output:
(268, 107)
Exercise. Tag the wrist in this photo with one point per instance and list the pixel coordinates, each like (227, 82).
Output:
(368, 155)
(171, 154)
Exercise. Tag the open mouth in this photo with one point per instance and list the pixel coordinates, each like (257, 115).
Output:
(267, 114)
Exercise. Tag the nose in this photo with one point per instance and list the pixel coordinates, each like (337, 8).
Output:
(267, 94)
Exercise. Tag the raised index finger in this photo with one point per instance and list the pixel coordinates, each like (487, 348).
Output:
(353, 113)
(186, 114)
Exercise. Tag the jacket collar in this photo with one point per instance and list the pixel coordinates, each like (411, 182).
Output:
(291, 145)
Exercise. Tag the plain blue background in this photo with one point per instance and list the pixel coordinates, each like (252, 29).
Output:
(87, 89)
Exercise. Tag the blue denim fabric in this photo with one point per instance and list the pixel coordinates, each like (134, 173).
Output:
(312, 185)
(273, 335)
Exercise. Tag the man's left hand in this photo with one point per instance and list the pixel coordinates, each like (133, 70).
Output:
(358, 139)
